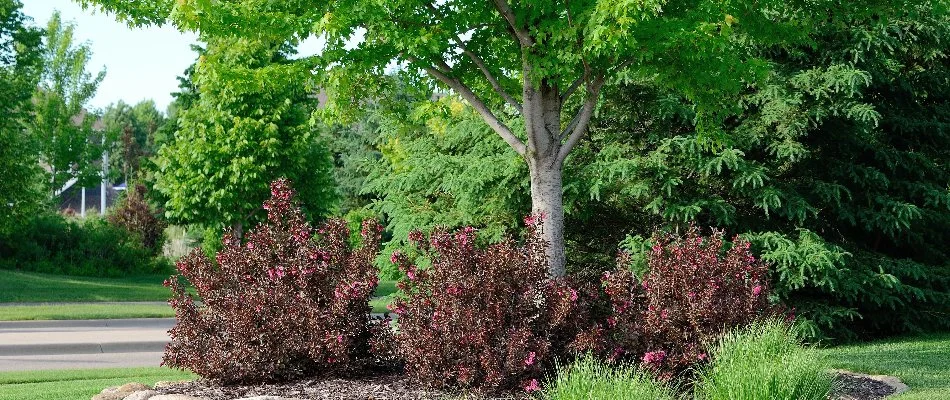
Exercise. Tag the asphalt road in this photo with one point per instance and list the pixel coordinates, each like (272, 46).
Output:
(35, 345)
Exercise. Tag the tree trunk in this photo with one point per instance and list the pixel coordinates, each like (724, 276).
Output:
(547, 201)
(237, 230)
(542, 112)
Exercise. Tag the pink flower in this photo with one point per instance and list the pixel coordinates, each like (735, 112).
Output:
(529, 220)
(756, 290)
(411, 274)
(611, 321)
(394, 258)
(250, 246)
(702, 357)
(532, 386)
(663, 314)
(530, 359)
(654, 357)
(573, 295)
(339, 338)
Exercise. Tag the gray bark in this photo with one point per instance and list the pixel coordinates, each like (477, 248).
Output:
(547, 201)
(542, 112)
(237, 230)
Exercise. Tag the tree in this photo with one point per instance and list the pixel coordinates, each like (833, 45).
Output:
(20, 69)
(63, 129)
(133, 130)
(542, 61)
(836, 170)
(238, 135)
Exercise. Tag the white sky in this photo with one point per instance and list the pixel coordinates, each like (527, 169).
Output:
(140, 63)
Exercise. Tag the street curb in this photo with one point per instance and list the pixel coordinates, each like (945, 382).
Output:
(90, 323)
(80, 348)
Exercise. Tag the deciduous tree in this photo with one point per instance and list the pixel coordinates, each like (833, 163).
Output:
(61, 125)
(543, 62)
(20, 68)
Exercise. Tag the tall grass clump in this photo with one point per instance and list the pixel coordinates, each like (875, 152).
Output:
(588, 378)
(764, 360)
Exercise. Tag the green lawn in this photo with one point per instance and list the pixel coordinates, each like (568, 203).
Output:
(922, 362)
(80, 384)
(28, 287)
(33, 287)
(84, 311)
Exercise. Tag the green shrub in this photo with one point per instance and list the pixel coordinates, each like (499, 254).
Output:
(588, 378)
(764, 360)
(51, 243)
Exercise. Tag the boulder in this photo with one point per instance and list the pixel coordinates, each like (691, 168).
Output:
(133, 387)
(142, 395)
(163, 384)
(112, 393)
(110, 396)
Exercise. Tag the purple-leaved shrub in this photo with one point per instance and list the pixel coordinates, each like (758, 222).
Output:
(694, 290)
(486, 318)
(286, 302)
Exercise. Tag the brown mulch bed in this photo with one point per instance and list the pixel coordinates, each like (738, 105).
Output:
(378, 387)
(859, 387)
(396, 386)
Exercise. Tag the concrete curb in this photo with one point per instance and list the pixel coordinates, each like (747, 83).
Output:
(167, 323)
(80, 348)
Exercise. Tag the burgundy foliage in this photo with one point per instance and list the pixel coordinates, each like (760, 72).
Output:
(692, 292)
(284, 304)
(486, 318)
(134, 215)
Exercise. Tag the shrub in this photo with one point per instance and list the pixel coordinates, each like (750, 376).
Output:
(588, 378)
(51, 243)
(764, 361)
(693, 291)
(284, 304)
(134, 215)
(485, 318)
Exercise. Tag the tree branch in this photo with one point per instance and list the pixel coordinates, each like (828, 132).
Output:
(524, 38)
(583, 117)
(496, 124)
(491, 79)
(570, 89)
(480, 64)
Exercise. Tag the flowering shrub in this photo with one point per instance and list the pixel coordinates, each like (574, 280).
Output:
(487, 318)
(692, 292)
(283, 304)
(134, 215)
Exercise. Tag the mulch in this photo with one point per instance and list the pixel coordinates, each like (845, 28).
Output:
(860, 387)
(378, 387)
(393, 386)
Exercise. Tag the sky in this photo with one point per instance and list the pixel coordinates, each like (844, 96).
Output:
(140, 63)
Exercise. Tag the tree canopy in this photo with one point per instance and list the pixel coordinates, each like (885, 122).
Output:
(62, 127)
(239, 133)
(21, 64)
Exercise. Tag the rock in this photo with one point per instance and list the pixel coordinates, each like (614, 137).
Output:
(142, 395)
(175, 397)
(892, 381)
(164, 384)
(133, 387)
(115, 395)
